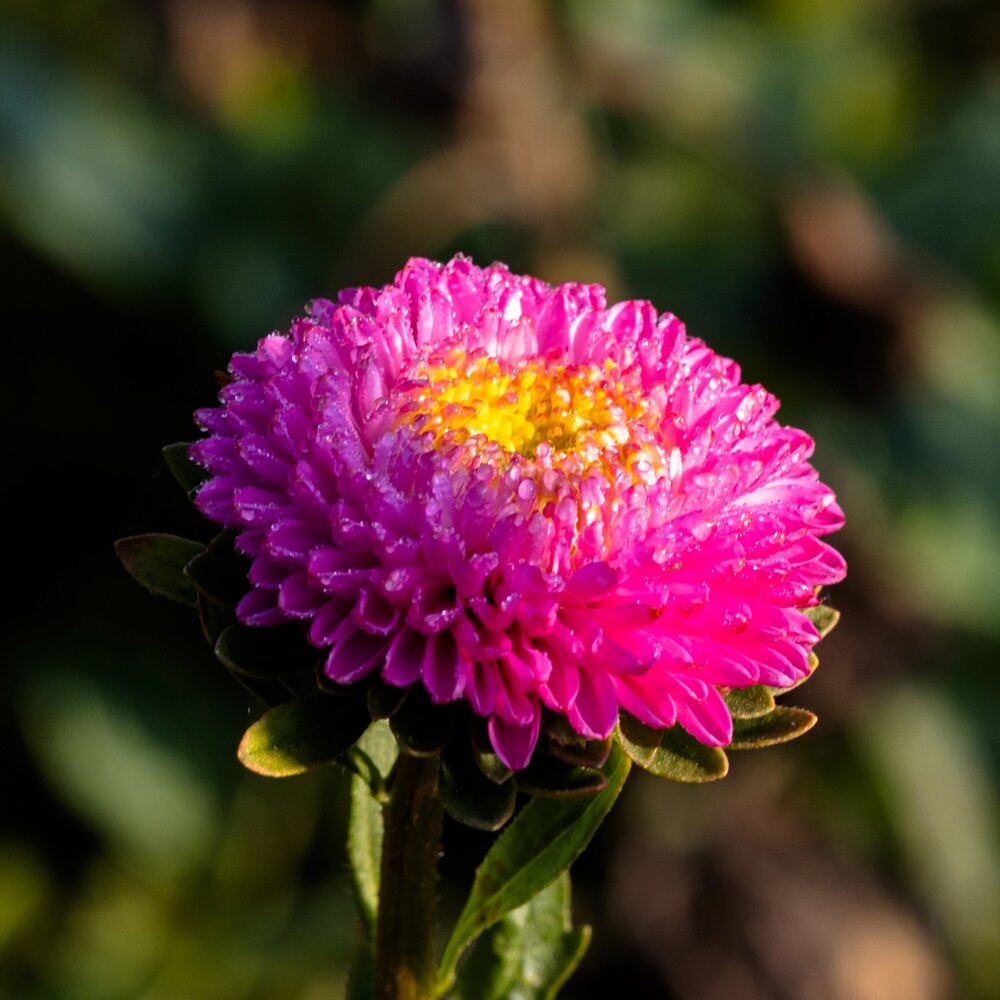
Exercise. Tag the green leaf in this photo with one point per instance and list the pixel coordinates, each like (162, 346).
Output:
(220, 572)
(157, 562)
(469, 796)
(364, 851)
(422, 728)
(187, 473)
(527, 955)
(301, 735)
(545, 838)
(680, 757)
(546, 775)
(780, 726)
(750, 702)
(637, 739)
(265, 652)
(372, 757)
(823, 617)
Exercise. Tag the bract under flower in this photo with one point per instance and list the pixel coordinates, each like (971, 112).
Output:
(516, 495)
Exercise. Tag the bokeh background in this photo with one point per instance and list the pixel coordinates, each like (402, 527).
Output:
(813, 186)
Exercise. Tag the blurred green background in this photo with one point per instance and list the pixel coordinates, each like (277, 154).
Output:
(814, 187)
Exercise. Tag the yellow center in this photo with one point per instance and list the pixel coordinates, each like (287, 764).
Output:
(582, 415)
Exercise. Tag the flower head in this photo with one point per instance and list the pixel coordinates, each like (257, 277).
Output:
(516, 495)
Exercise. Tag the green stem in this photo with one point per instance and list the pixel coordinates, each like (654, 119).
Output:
(404, 938)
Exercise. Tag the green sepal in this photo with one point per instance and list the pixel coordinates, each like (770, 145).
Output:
(422, 728)
(301, 735)
(533, 850)
(637, 739)
(486, 758)
(750, 702)
(384, 699)
(527, 955)
(469, 796)
(671, 753)
(779, 726)
(187, 473)
(220, 572)
(547, 776)
(590, 753)
(157, 561)
(823, 617)
(265, 652)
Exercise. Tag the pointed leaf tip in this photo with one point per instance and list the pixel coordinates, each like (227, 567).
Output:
(779, 726)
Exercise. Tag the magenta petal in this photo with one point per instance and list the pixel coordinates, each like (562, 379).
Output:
(405, 659)
(595, 711)
(443, 672)
(260, 608)
(704, 715)
(354, 656)
(514, 744)
(481, 686)
(328, 621)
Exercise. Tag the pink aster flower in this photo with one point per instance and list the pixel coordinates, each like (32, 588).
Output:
(516, 495)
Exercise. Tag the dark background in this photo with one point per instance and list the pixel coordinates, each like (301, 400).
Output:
(814, 187)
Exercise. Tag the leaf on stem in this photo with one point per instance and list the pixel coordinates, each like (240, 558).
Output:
(540, 844)
(529, 953)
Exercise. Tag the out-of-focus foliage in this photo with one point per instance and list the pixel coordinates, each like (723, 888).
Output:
(813, 187)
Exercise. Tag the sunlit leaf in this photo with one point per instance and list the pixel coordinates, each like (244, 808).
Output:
(780, 726)
(301, 735)
(750, 702)
(823, 617)
(680, 757)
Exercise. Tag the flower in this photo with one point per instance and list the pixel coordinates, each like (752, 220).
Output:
(515, 495)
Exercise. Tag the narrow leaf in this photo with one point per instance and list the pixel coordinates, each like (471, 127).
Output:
(265, 652)
(540, 844)
(680, 757)
(528, 954)
(157, 562)
(189, 475)
(780, 726)
(372, 757)
(750, 702)
(301, 735)
(364, 851)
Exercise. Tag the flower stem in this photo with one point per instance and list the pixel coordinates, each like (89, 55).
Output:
(404, 939)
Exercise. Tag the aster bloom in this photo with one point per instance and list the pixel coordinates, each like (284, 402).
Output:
(515, 495)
